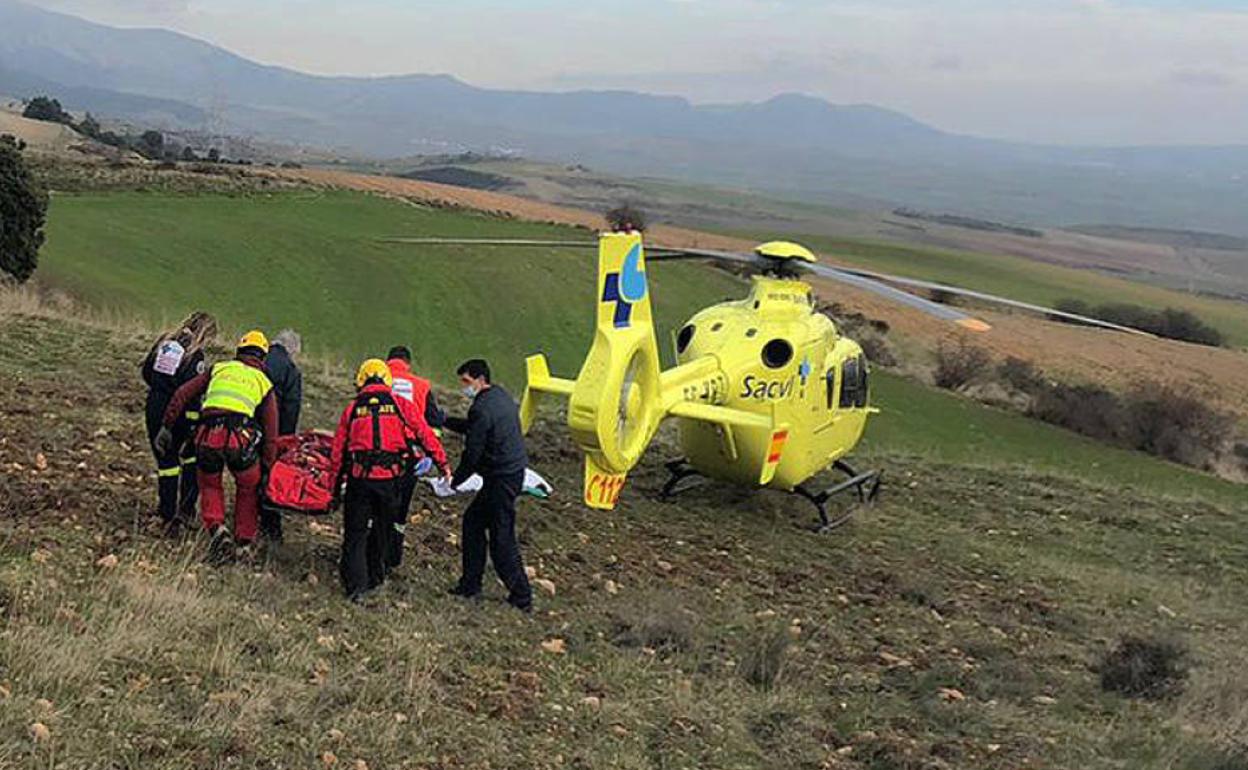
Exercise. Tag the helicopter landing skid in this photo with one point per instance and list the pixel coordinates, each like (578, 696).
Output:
(865, 485)
(679, 470)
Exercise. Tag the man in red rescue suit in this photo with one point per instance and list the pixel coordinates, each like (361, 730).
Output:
(373, 448)
(238, 425)
(406, 385)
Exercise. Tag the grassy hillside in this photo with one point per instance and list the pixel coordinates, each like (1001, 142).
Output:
(311, 261)
(1027, 280)
(956, 624)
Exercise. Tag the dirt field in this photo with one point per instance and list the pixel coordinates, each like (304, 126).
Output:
(1117, 360)
(38, 134)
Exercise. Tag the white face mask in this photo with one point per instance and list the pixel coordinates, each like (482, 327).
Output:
(469, 390)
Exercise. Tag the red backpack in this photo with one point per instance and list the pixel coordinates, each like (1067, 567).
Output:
(377, 438)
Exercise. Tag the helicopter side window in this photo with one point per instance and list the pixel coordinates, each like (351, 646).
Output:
(777, 353)
(684, 338)
(864, 371)
(849, 383)
(829, 382)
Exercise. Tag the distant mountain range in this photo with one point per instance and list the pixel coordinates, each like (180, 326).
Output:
(790, 145)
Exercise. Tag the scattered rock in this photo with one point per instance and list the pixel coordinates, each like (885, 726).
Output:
(555, 646)
(335, 735)
(950, 695)
(619, 731)
(40, 556)
(41, 462)
(1044, 700)
(611, 587)
(400, 717)
(107, 562)
(361, 765)
(664, 566)
(312, 579)
(765, 614)
(40, 732)
(43, 706)
(592, 702)
(531, 572)
(1164, 610)
(329, 759)
(547, 586)
(893, 661)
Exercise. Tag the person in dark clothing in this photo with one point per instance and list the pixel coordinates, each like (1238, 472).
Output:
(174, 359)
(373, 445)
(493, 448)
(287, 381)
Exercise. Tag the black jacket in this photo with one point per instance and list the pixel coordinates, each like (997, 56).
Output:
(288, 385)
(161, 387)
(494, 445)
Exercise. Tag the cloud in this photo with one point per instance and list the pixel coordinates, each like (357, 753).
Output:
(1202, 78)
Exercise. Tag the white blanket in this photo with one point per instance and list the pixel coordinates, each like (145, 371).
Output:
(534, 485)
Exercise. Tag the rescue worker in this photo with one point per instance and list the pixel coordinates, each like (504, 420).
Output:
(237, 429)
(287, 381)
(493, 448)
(174, 359)
(373, 446)
(415, 389)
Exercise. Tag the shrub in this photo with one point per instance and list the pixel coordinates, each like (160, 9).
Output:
(1171, 323)
(958, 364)
(1087, 409)
(1151, 669)
(762, 656)
(658, 622)
(870, 333)
(1166, 422)
(1020, 375)
(625, 218)
(47, 109)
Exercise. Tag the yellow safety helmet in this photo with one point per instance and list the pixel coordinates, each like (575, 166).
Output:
(373, 369)
(254, 339)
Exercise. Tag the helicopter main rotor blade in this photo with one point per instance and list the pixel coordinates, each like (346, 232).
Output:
(992, 299)
(489, 242)
(935, 309)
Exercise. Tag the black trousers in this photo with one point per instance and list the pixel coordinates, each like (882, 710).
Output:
(394, 546)
(177, 486)
(367, 521)
(490, 524)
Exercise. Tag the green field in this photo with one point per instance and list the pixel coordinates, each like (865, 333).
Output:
(1026, 280)
(921, 421)
(311, 261)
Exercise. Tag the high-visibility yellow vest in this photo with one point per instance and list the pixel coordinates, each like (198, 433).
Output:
(236, 387)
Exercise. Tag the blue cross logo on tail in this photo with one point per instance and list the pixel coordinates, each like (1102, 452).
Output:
(625, 288)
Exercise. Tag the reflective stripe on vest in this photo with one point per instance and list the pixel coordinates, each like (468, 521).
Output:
(236, 387)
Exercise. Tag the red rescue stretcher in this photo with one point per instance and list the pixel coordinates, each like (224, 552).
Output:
(299, 481)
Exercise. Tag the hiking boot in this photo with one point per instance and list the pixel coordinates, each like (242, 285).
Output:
(221, 546)
(246, 551)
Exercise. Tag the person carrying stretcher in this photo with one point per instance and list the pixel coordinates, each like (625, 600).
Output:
(377, 437)
(236, 430)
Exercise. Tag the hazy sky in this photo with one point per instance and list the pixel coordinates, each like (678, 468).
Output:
(1087, 71)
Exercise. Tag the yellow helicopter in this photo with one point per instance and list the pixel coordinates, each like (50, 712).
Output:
(766, 391)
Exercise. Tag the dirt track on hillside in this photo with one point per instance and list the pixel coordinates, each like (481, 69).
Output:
(1117, 360)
